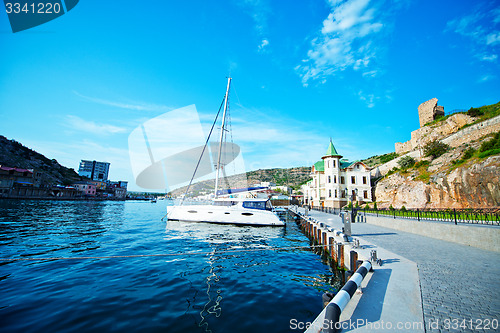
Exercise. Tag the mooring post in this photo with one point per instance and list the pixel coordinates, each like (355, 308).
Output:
(455, 213)
(340, 254)
(331, 247)
(324, 241)
(354, 258)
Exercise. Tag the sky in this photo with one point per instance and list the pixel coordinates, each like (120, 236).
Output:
(304, 72)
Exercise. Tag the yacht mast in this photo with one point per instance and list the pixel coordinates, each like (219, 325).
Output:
(221, 137)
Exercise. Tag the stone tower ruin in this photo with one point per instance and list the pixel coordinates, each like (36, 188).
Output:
(428, 111)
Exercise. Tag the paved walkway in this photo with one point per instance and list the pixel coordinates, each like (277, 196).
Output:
(460, 285)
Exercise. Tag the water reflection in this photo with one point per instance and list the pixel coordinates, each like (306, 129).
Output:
(213, 291)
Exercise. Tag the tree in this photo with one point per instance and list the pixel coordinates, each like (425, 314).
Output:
(435, 149)
(406, 162)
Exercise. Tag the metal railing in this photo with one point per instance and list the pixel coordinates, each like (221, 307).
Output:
(490, 216)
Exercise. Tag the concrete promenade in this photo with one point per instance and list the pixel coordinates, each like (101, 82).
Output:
(460, 285)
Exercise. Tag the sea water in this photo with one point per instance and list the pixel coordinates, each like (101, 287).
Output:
(206, 277)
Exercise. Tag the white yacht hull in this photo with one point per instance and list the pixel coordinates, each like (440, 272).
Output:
(223, 215)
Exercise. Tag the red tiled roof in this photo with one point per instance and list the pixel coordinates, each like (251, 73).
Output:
(15, 169)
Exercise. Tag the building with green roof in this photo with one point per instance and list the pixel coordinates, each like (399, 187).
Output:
(336, 181)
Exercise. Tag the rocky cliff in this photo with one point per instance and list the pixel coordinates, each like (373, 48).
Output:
(449, 181)
(467, 175)
(470, 186)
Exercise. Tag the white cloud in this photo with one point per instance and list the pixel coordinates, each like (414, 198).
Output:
(259, 11)
(493, 38)
(485, 78)
(124, 105)
(345, 41)
(489, 57)
(266, 143)
(369, 99)
(79, 124)
(262, 45)
(480, 28)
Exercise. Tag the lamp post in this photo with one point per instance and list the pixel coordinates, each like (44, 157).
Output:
(354, 211)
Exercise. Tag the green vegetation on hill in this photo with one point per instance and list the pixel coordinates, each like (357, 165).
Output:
(13, 154)
(491, 147)
(485, 112)
(379, 159)
(482, 113)
(292, 177)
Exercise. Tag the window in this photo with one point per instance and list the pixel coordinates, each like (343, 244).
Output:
(335, 179)
(334, 164)
(364, 180)
(365, 194)
(342, 194)
(329, 193)
(342, 180)
(255, 204)
(353, 179)
(357, 166)
(329, 179)
(354, 194)
(335, 193)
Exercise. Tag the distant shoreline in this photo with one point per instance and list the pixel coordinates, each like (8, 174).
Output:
(70, 199)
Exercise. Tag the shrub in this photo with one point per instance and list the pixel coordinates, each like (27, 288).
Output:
(421, 163)
(494, 143)
(403, 208)
(468, 154)
(489, 153)
(375, 206)
(406, 162)
(473, 112)
(391, 208)
(435, 148)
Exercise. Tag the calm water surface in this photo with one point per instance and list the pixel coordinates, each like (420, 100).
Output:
(209, 292)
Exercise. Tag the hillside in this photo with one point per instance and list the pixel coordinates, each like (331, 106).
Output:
(453, 167)
(293, 177)
(14, 154)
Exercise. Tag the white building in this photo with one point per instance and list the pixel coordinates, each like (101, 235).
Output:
(335, 181)
(94, 170)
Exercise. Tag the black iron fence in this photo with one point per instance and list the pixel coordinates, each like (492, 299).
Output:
(475, 216)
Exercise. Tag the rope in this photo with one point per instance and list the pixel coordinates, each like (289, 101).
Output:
(164, 254)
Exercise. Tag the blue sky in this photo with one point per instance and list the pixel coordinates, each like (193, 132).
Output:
(303, 71)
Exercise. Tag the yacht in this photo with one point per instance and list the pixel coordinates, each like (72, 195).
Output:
(229, 206)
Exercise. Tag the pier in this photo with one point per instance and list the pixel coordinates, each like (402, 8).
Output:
(424, 284)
